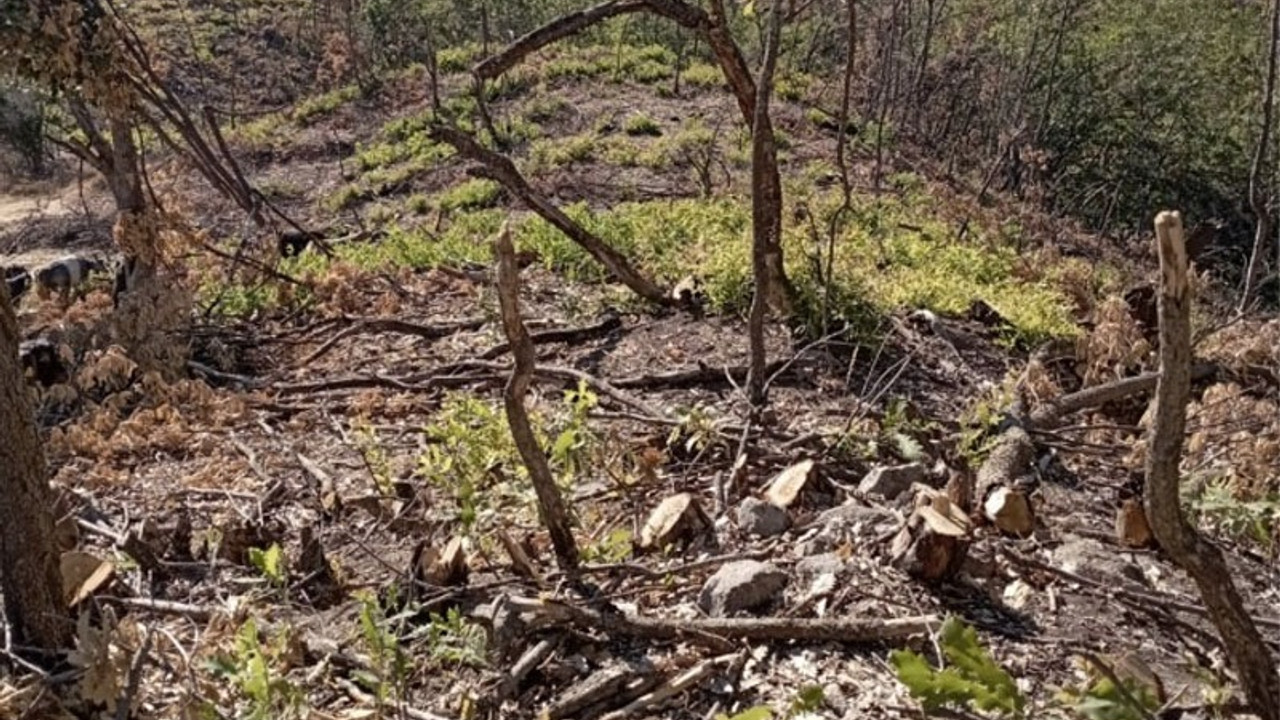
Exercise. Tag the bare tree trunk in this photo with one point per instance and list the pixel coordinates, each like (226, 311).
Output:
(842, 161)
(550, 504)
(29, 573)
(1201, 559)
(766, 212)
(1259, 201)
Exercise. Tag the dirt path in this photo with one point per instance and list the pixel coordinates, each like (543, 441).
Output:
(15, 208)
(36, 210)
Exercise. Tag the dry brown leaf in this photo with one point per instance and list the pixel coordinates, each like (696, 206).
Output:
(1132, 528)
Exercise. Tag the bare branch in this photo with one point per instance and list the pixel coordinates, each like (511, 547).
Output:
(503, 170)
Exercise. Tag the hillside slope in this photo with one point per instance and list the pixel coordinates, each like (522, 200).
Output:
(285, 517)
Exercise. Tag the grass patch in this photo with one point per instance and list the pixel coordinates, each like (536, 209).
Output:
(560, 152)
(641, 124)
(318, 106)
(921, 269)
(892, 252)
(458, 58)
(646, 65)
(473, 194)
(703, 75)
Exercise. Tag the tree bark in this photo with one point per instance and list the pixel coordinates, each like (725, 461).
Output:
(1260, 202)
(766, 215)
(29, 566)
(550, 504)
(1201, 559)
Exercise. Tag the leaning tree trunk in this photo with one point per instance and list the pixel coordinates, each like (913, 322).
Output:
(29, 575)
(1201, 559)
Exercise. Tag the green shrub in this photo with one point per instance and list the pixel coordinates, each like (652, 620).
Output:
(318, 106)
(703, 75)
(473, 194)
(641, 124)
(458, 58)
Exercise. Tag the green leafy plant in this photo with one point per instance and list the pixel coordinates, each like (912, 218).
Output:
(452, 638)
(248, 667)
(574, 441)
(641, 124)
(472, 194)
(1102, 699)
(1217, 505)
(614, 547)
(374, 455)
(807, 701)
(318, 106)
(389, 663)
(472, 455)
(271, 563)
(972, 679)
(898, 430)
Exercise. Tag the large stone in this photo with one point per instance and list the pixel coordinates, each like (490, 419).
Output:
(764, 519)
(741, 585)
(890, 482)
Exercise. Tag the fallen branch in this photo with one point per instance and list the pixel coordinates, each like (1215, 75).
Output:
(712, 632)
(700, 376)
(1098, 395)
(561, 335)
(685, 680)
(393, 325)
(1014, 451)
(1139, 598)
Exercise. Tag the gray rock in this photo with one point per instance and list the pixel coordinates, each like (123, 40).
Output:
(1090, 558)
(890, 482)
(764, 519)
(741, 585)
(815, 565)
(851, 522)
(852, 515)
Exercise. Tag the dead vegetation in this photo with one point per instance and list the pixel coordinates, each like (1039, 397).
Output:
(314, 506)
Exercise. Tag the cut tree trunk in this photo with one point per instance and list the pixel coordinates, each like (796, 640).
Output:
(551, 505)
(1201, 559)
(29, 574)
